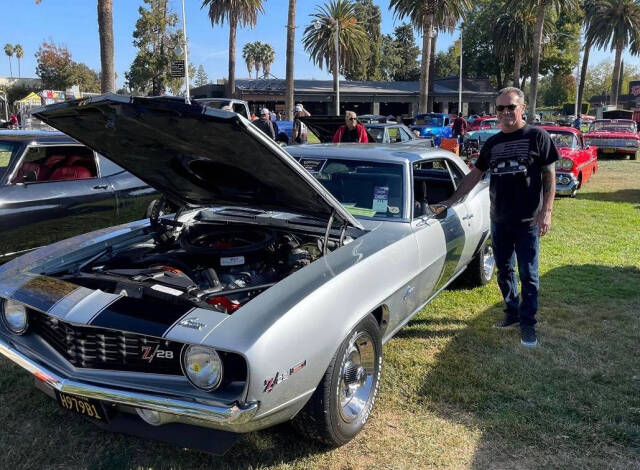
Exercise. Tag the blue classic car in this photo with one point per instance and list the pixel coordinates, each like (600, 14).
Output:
(432, 126)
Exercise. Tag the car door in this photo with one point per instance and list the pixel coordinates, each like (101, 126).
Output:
(67, 199)
(132, 195)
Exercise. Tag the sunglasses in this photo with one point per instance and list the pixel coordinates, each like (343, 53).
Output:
(510, 107)
(353, 119)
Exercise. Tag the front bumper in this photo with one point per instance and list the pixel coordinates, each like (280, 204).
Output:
(566, 183)
(232, 418)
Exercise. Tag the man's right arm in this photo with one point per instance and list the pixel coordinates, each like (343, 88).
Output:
(466, 185)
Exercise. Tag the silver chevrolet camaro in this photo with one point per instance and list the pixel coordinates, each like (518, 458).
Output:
(265, 297)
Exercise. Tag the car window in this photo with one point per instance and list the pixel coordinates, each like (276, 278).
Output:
(377, 133)
(394, 134)
(432, 183)
(240, 109)
(564, 139)
(48, 163)
(7, 152)
(404, 135)
(365, 189)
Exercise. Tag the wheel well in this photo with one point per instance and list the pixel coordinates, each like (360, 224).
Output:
(381, 314)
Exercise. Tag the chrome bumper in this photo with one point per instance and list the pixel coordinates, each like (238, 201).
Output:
(564, 188)
(232, 418)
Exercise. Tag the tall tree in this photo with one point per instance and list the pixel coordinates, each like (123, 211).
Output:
(234, 12)
(616, 25)
(588, 6)
(425, 16)
(58, 71)
(249, 56)
(369, 16)
(291, 40)
(156, 38)
(201, 78)
(19, 52)
(8, 49)
(335, 18)
(512, 36)
(407, 51)
(266, 55)
(105, 32)
(541, 9)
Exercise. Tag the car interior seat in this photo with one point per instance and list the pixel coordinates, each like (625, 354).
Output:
(420, 203)
(70, 173)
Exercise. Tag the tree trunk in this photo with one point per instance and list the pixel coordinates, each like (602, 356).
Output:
(424, 66)
(535, 66)
(105, 31)
(291, 41)
(10, 69)
(516, 68)
(231, 85)
(621, 73)
(616, 76)
(432, 68)
(583, 74)
(523, 84)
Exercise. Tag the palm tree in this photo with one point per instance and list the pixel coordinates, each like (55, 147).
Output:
(541, 7)
(19, 52)
(616, 25)
(291, 40)
(105, 32)
(249, 56)
(267, 57)
(335, 17)
(589, 34)
(425, 16)
(8, 49)
(243, 12)
(512, 38)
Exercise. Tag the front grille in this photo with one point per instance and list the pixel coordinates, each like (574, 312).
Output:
(101, 348)
(599, 142)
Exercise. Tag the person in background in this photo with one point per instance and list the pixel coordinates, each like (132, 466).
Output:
(577, 122)
(266, 125)
(521, 160)
(351, 131)
(459, 127)
(299, 133)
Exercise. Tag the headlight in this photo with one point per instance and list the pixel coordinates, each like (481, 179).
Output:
(202, 366)
(631, 143)
(14, 316)
(566, 164)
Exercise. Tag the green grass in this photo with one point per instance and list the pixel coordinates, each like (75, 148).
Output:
(455, 393)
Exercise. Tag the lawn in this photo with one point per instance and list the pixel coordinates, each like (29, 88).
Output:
(455, 393)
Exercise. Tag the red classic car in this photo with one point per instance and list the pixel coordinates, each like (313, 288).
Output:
(614, 136)
(578, 161)
(483, 122)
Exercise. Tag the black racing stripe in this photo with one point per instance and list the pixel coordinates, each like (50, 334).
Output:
(43, 292)
(140, 316)
(455, 238)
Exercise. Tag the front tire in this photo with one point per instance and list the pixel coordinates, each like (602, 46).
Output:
(480, 270)
(342, 402)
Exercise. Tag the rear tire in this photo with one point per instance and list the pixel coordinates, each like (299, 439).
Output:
(480, 270)
(342, 402)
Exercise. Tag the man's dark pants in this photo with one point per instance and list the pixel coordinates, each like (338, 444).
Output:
(521, 242)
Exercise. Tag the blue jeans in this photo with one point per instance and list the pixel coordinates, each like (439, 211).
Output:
(521, 242)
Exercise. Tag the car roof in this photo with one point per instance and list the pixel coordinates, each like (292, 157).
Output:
(565, 129)
(53, 137)
(388, 153)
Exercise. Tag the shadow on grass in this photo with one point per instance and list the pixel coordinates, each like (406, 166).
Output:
(573, 402)
(623, 195)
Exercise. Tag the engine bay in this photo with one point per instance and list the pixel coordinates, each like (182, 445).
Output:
(219, 266)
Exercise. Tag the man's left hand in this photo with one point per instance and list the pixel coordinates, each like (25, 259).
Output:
(543, 221)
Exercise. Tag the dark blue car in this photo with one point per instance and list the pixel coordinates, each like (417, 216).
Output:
(432, 126)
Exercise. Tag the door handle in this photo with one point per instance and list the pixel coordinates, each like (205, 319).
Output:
(101, 186)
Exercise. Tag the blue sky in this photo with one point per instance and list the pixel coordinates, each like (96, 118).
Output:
(74, 24)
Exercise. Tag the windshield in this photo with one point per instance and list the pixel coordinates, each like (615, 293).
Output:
(430, 120)
(365, 189)
(624, 126)
(7, 150)
(564, 139)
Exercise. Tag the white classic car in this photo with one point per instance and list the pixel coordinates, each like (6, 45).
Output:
(265, 298)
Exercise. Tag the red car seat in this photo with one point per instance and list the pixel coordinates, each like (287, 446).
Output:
(53, 160)
(70, 173)
(41, 172)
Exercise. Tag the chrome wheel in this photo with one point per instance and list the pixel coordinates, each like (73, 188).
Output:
(488, 261)
(356, 376)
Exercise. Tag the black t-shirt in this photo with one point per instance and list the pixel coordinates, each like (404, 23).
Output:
(350, 135)
(514, 161)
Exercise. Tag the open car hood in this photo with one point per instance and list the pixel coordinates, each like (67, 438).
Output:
(195, 155)
(324, 127)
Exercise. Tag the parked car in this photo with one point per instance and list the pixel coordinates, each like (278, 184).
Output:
(473, 141)
(432, 126)
(375, 119)
(577, 163)
(484, 122)
(614, 137)
(390, 133)
(237, 106)
(267, 297)
(52, 187)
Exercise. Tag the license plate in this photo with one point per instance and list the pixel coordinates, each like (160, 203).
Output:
(84, 406)
(609, 150)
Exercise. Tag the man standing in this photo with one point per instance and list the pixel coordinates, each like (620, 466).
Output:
(352, 131)
(521, 162)
(299, 133)
(459, 127)
(266, 125)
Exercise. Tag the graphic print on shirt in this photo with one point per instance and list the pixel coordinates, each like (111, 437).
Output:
(510, 158)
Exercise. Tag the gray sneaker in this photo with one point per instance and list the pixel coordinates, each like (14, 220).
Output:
(528, 336)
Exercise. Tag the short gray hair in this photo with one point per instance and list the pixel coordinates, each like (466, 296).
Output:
(511, 89)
